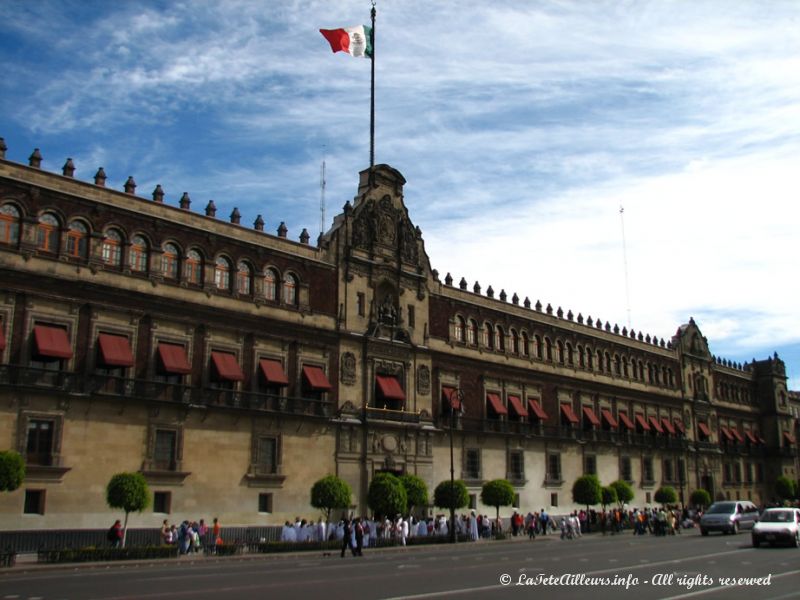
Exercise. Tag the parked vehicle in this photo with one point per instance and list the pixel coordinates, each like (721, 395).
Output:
(729, 517)
(778, 525)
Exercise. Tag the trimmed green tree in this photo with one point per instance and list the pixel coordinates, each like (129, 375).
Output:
(666, 495)
(700, 497)
(588, 491)
(127, 491)
(624, 491)
(12, 470)
(416, 491)
(609, 496)
(329, 493)
(497, 493)
(387, 496)
(785, 488)
(456, 496)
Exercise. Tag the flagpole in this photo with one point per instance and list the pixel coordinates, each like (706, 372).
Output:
(372, 96)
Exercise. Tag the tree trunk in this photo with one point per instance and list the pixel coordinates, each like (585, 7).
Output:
(125, 529)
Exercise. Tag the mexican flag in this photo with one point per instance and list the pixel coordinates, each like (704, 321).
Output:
(356, 41)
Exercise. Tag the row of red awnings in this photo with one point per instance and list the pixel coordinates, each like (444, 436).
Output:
(647, 424)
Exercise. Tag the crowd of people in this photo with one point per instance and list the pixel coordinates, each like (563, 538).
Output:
(192, 536)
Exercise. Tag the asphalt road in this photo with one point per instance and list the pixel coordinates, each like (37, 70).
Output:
(623, 566)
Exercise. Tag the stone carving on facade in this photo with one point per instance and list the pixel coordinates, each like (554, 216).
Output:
(348, 368)
(424, 380)
(379, 222)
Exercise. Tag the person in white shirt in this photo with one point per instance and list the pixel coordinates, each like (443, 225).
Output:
(321, 530)
(473, 527)
(288, 533)
(422, 528)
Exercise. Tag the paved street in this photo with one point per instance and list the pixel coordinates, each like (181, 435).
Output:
(686, 566)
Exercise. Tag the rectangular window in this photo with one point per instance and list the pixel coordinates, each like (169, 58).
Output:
(39, 446)
(361, 303)
(648, 498)
(411, 316)
(647, 469)
(681, 474)
(737, 473)
(590, 465)
(516, 500)
(164, 455)
(472, 466)
(554, 467)
(554, 499)
(625, 471)
(748, 473)
(162, 502)
(267, 455)
(516, 466)
(473, 501)
(34, 502)
(759, 473)
(666, 474)
(265, 503)
(726, 473)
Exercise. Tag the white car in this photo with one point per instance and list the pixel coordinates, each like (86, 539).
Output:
(778, 525)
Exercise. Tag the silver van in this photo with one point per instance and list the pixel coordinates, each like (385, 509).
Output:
(729, 516)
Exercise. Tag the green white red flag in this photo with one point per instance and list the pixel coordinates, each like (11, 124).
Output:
(356, 41)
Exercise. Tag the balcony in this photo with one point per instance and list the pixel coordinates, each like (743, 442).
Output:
(109, 386)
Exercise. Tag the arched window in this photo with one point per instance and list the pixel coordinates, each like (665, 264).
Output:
(48, 234)
(538, 342)
(78, 240)
(514, 341)
(589, 359)
(222, 273)
(170, 261)
(525, 344)
(139, 254)
(617, 365)
(560, 351)
(499, 339)
(548, 349)
(487, 338)
(9, 224)
(570, 355)
(270, 284)
(608, 362)
(472, 332)
(290, 290)
(581, 356)
(625, 367)
(244, 278)
(193, 268)
(459, 329)
(600, 360)
(112, 248)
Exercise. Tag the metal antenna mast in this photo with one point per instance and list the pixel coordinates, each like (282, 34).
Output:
(322, 184)
(625, 264)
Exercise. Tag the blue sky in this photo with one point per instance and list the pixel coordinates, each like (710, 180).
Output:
(521, 127)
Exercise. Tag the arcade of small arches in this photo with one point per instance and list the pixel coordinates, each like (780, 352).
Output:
(176, 265)
(488, 336)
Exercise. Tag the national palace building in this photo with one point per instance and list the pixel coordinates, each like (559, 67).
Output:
(233, 367)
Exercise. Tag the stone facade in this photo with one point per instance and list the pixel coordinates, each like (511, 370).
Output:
(234, 368)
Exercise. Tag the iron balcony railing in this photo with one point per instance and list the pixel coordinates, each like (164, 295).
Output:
(95, 384)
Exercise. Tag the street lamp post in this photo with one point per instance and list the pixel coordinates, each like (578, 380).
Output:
(456, 400)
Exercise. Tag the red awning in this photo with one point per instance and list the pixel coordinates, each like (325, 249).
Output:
(592, 418)
(390, 387)
(173, 359)
(726, 433)
(642, 423)
(655, 424)
(316, 379)
(569, 414)
(496, 404)
(737, 435)
(680, 426)
(788, 437)
(273, 371)
(668, 426)
(450, 394)
(609, 418)
(52, 342)
(226, 366)
(2, 339)
(517, 405)
(750, 436)
(704, 429)
(115, 350)
(623, 416)
(536, 409)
